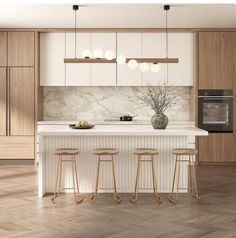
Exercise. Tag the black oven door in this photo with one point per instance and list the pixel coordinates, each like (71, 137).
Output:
(215, 114)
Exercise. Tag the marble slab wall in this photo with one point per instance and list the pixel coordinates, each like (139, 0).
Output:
(99, 103)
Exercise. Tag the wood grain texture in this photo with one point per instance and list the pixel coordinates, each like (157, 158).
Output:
(3, 48)
(22, 101)
(21, 49)
(3, 101)
(17, 147)
(217, 70)
(217, 53)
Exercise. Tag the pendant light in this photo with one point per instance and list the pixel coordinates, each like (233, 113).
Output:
(75, 8)
(167, 8)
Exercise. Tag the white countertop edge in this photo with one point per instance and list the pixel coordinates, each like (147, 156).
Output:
(118, 130)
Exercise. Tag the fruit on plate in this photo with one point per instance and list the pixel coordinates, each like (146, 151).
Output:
(82, 123)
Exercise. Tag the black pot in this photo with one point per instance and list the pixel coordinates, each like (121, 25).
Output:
(127, 118)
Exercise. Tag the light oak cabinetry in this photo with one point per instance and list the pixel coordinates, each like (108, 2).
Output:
(17, 96)
(129, 45)
(21, 101)
(217, 70)
(3, 48)
(3, 101)
(20, 48)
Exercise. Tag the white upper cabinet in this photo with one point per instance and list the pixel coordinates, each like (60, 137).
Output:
(103, 74)
(180, 46)
(77, 74)
(52, 54)
(129, 45)
(154, 47)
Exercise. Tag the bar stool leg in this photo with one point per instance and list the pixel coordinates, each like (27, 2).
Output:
(93, 197)
(73, 175)
(190, 176)
(154, 182)
(53, 199)
(80, 197)
(117, 197)
(134, 197)
(171, 198)
(59, 187)
(195, 194)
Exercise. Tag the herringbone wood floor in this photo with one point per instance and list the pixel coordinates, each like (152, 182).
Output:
(23, 214)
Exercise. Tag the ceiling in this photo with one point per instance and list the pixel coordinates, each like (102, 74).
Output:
(114, 15)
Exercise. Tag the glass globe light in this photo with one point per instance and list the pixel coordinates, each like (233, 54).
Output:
(87, 54)
(155, 68)
(144, 67)
(98, 54)
(132, 64)
(109, 55)
(121, 59)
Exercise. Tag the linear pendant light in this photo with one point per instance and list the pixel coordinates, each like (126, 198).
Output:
(154, 61)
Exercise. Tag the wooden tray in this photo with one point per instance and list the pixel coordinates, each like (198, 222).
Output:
(73, 126)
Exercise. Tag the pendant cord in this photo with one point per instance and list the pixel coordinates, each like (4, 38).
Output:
(75, 34)
(166, 34)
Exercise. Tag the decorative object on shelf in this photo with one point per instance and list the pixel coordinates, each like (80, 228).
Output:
(159, 98)
(109, 56)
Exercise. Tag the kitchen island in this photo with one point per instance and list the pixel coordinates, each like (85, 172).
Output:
(123, 137)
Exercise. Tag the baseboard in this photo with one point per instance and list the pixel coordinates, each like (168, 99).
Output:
(17, 162)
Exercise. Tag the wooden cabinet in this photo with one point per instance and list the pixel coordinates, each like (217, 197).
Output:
(3, 48)
(129, 45)
(21, 101)
(180, 46)
(217, 53)
(103, 74)
(77, 74)
(3, 101)
(20, 48)
(217, 70)
(52, 54)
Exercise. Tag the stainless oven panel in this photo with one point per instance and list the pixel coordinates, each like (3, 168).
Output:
(215, 110)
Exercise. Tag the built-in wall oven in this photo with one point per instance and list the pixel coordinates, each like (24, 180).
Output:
(215, 110)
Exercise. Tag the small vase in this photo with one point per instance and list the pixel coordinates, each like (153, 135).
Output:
(159, 121)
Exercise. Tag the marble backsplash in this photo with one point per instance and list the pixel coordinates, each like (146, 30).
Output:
(99, 103)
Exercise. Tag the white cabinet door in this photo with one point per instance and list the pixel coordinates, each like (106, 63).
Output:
(103, 74)
(77, 74)
(129, 45)
(154, 47)
(52, 54)
(181, 46)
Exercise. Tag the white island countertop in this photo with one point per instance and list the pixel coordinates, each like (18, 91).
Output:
(120, 130)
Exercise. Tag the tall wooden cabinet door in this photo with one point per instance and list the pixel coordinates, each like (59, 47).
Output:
(20, 48)
(3, 48)
(217, 60)
(3, 101)
(21, 101)
(129, 45)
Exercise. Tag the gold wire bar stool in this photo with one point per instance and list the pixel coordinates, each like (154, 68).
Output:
(67, 155)
(192, 188)
(106, 152)
(145, 152)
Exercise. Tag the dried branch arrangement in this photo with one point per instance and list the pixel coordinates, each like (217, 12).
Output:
(159, 98)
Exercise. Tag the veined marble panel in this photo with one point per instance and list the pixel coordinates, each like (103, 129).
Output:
(98, 103)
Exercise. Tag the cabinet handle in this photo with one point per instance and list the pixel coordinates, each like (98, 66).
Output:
(8, 102)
